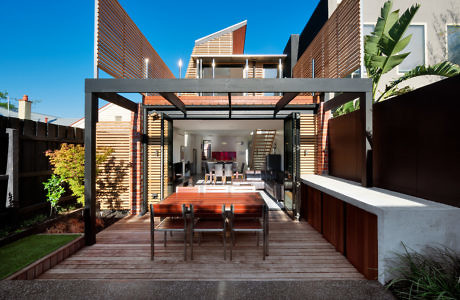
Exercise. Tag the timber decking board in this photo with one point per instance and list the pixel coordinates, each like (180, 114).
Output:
(122, 251)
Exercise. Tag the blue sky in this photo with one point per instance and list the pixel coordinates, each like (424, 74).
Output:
(47, 46)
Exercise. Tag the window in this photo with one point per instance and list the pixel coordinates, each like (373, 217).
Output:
(453, 43)
(117, 118)
(368, 29)
(223, 71)
(270, 71)
(416, 47)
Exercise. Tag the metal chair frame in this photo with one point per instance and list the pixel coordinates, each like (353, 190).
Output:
(154, 228)
(222, 229)
(263, 229)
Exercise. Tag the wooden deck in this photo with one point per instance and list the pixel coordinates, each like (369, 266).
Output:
(122, 251)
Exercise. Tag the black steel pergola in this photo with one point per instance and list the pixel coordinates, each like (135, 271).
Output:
(109, 89)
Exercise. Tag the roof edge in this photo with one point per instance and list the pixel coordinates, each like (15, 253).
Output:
(220, 32)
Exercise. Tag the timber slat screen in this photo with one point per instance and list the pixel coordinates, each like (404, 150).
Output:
(308, 143)
(121, 46)
(336, 48)
(113, 179)
(154, 155)
(35, 138)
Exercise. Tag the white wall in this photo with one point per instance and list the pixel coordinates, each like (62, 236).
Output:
(435, 15)
(108, 113)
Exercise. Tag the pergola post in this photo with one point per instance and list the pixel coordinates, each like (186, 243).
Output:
(89, 212)
(365, 104)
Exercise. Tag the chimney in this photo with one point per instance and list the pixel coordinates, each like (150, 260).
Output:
(46, 120)
(24, 109)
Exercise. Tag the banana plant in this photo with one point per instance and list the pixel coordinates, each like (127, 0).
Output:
(445, 69)
(383, 51)
(383, 48)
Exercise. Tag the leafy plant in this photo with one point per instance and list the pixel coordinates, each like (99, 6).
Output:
(384, 50)
(4, 96)
(69, 163)
(55, 191)
(432, 275)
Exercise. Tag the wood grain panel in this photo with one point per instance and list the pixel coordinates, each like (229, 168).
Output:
(113, 183)
(361, 241)
(314, 207)
(308, 144)
(154, 150)
(121, 46)
(334, 222)
(336, 47)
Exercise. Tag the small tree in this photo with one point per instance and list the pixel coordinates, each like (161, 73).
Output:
(3, 97)
(55, 191)
(69, 163)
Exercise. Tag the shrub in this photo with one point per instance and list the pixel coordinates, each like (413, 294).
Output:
(431, 275)
(55, 191)
(69, 163)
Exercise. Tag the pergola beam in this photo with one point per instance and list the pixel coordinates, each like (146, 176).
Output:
(174, 100)
(227, 85)
(118, 100)
(287, 97)
(340, 100)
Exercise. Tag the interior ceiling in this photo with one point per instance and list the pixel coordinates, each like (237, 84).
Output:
(226, 127)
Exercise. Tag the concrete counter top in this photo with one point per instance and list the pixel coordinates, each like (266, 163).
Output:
(374, 200)
(401, 218)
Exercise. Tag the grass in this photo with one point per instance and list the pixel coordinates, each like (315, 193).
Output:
(19, 254)
(435, 274)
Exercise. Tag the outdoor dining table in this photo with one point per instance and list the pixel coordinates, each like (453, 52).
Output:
(250, 198)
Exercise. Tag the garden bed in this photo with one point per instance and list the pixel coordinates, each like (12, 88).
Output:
(24, 252)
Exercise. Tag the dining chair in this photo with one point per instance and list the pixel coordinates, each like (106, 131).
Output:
(208, 176)
(173, 219)
(218, 172)
(249, 218)
(228, 172)
(209, 218)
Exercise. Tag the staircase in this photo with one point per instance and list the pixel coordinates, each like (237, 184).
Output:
(262, 144)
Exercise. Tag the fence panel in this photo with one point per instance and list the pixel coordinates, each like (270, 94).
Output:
(34, 139)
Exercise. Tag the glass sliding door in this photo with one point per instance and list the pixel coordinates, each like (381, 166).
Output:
(291, 164)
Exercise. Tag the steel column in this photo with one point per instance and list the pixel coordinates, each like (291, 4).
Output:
(89, 212)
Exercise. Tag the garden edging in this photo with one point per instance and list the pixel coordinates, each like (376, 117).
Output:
(37, 268)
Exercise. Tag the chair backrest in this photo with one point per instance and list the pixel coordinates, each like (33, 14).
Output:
(228, 169)
(167, 210)
(247, 210)
(242, 188)
(187, 189)
(215, 188)
(218, 170)
(207, 210)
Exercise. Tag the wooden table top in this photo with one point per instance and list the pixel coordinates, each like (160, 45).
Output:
(251, 198)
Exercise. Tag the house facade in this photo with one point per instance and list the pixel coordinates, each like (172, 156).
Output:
(332, 43)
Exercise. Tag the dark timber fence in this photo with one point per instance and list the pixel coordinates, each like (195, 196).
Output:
(416, 143)
(23, 164)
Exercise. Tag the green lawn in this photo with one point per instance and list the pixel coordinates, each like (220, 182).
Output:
(17, 255)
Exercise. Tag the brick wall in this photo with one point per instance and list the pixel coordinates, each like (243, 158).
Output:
(322, 125)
